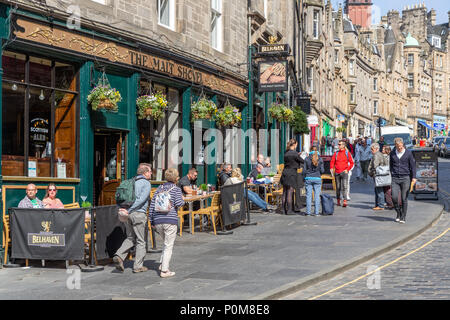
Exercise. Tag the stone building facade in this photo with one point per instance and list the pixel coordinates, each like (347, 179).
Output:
(396, 70)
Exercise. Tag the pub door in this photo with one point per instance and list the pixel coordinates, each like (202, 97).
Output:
(109, 165)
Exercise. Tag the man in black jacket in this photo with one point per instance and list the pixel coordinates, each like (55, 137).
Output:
(403, 172)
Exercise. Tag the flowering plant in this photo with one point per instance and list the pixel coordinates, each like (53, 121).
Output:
(282, 113)
(228, 116)
(104, 97)
(203, 109)
(151, 106)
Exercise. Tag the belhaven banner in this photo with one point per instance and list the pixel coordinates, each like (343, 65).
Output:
(47, 234)
(233, 203)
(110, 231)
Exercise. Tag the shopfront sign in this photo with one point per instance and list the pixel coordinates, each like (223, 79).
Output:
(439, 123)
(273, 49)
(273, 76)
(64, 39)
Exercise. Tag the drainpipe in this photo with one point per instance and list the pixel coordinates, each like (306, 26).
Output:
(250, 87)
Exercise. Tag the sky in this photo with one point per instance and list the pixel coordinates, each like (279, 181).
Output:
(383, 6)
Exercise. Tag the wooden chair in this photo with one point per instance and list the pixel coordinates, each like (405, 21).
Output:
(280, 168)
(74, 205)
(212, 212)
(6, 236)
(329, 177)
(275, 187)
(181, 213)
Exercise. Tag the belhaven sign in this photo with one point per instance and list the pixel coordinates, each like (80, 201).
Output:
(68, 40)
(273, 49)
(47, 234)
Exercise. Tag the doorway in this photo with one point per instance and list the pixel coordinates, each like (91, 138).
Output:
(109, 165)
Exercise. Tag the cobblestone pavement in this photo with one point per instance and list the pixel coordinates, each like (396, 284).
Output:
(424, 274)
(420, 269)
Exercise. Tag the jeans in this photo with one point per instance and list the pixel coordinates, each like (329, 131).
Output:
(253, 197)
(365, 168)
(379, 197)
(310, 185)
(400, 187)
(341, 185)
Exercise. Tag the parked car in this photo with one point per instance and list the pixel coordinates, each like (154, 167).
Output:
(444, 148)
(436, 143)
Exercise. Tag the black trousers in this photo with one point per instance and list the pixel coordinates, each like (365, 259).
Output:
(400, 189)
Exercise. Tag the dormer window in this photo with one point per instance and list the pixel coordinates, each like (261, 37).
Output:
(436, 41)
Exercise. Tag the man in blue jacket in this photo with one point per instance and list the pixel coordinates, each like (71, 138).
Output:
(136, 223)
(403, 172)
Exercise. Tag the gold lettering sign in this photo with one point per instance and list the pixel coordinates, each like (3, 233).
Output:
(110, 51)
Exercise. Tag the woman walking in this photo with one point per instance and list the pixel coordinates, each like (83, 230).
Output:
(290, 179)
(166, 222)
(313, 170)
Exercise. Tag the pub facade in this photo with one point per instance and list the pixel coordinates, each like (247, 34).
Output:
(50, 134)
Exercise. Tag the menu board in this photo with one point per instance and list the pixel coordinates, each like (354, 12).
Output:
(426, 170)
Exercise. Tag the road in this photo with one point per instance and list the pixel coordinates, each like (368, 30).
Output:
(419, 269)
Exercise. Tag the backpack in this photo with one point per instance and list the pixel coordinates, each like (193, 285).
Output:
(125, 194)
(327, 204)
(162, 201)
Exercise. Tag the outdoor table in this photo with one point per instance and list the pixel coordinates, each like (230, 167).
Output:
(264, 185)
(190, 200)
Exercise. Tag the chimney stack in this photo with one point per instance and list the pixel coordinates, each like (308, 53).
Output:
(432, 17)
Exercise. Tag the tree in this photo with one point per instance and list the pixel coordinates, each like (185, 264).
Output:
(300, 123)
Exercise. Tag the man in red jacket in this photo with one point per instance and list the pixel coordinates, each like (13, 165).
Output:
(341, 164)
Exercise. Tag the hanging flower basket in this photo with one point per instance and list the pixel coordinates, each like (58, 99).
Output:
(281, 113)
(104, 97)
(228, 116)
(203, 109)
(151, 106)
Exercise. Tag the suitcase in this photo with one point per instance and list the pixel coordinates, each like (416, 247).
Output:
(327, 204)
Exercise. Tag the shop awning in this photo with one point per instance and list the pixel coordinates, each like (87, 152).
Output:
(423, 123)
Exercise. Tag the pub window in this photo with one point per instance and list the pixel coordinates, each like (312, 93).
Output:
(39, 102)
(158, 140)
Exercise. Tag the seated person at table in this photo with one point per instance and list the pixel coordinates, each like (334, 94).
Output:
(236, 177)
(260, 160)
(187, 184)
(188, 181)
(31, 201)
(50, 200)
(225, 174)
(256, 171)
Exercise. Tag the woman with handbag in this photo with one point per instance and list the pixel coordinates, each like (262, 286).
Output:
(290, 178)
(376, 166)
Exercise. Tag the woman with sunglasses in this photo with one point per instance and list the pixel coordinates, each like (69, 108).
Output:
(50, 200)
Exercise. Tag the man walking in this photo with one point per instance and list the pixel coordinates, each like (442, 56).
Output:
(341, 164)
(377, 160)
(135, 226)
(365, 155)
(403, 172)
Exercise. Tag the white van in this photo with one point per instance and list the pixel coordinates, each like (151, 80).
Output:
(391, 132)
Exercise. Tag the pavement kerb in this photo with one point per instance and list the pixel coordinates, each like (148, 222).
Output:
(326, 274)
